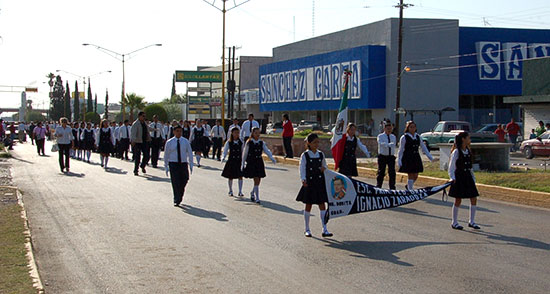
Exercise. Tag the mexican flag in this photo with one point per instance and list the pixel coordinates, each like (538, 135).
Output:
(339, 132)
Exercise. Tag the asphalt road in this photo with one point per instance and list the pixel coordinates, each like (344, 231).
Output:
(97, 231)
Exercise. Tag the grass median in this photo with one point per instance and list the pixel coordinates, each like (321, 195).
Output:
(533, 180)
(14, 270)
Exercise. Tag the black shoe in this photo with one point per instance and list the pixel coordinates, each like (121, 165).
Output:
(307, 234)
(136, 173)
(176, 204)
(327, 234)
(143, 170)
(474, 225)
(102, 165)
(154, 166)
(457, 227)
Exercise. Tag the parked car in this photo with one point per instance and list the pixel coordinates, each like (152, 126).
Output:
(308, 125)
(445, 132)
(536, 147)
(490, 128)
(274, 128)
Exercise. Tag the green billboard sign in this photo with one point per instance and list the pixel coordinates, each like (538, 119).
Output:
(199, 99)
(198, 76)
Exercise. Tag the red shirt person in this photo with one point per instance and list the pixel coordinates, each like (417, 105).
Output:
(512, 128)
(500, 133)
(288, 133)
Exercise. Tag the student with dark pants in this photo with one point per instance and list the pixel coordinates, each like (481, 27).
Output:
(218, 136)
(178, 161)
(39, 134)
(156, 140)
(288, 133)
(140, 138)
(124, 140)
(64, 134)
(386, 156)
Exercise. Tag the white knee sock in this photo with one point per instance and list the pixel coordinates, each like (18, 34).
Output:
(473, 209)
(257, 192)
(240, 186)
(198, 157)
(106, 160)
(306, 219)
(101, 158)
(230, 184)
(410, 184)
(323, 213)
(455, 215)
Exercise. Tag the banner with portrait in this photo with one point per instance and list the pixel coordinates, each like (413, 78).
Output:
(349, 196)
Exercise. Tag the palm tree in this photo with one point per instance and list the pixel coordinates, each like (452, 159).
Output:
(134, 101)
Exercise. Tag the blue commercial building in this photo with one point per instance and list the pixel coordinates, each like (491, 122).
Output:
(467, 69)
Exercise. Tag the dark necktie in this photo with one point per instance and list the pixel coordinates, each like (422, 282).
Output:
(389, 142)
(155, 132)
(179, 151)
(251, 128)
(127, 133)
(218, 131)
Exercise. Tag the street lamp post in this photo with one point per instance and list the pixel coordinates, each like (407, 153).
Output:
(121, 57)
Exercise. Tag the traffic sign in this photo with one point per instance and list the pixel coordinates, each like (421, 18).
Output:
(198, 89)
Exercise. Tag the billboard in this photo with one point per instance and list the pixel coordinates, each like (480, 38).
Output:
(198, 76)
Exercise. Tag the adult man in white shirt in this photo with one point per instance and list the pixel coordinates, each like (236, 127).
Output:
(387, 144)
(234, 125)
(124, 140)
(218, 136)
(157, 130)
(178, 160)
(248, 126)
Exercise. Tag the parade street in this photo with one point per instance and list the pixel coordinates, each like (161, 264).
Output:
(97, 231)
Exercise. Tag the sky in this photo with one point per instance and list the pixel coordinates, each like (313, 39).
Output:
(38, 37)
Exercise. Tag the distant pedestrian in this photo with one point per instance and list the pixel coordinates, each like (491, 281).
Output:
(39, 134)
(232, 169)
(89, 143)
(248, 125)
(547, 126)
(387, 144)
(313, 191)
(218, 137)
(253, 164)
(140, 140)
(186, 130)
(234, 125)
(198, 141)
(513, 131)
(106, 142)
(348, 163)
(64, 135)
(124, 140)
(178, 161)
(463, 179)
(156, 140)
(12, 131)
(208, 142)
(533, 134)
(540, 129)
(501, 134)
(288, 133)
(409, 159)
(22, 128)
(30, 132)
(76, 140)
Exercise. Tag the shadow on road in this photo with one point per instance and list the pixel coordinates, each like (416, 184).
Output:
(206, 167)
(380, 250)
(115, 170)
(22, 160)
(465, 203)
(516, 241)
(276, 168)
(199, 212)
(155, 178)
(426, 214)
(279, 207)
(76, 175)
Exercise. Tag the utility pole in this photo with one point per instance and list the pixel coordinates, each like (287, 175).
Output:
(401, 6)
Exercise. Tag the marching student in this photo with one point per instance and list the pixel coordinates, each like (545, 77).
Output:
(232, 168)
(198, 141)
(156, 128)
(64, 135)
(39, 134)
(409, 160)
(113, 128)
(186, 133)
(218, 136)
(253, 164)
(386, 155)
(117, 140)
(124, 140)
(348, 163)
(463, 179)
(248, 126)
(208, 143)
(87, 137)
(234, 125)
(75, 140)
(80, 152)
(178, 161)
(313, 191)
(140, 140)
(106, 142)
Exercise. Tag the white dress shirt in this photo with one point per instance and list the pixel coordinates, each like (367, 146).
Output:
(171, 152)
(166, 132)
(207, 129)
(66, 135)
(452, 164)
(98, 135)
(227, 146)
(230, 128)
(360, 145)
(402, 142)
(124, 132)
(82, 135)
(266, 150)
(159, 127)
(117, 131)
(303, 162)
(385, 146)
(245, 128)
(217, 132)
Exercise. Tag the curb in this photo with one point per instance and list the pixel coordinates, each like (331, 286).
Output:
(511, 195)
(33, 268)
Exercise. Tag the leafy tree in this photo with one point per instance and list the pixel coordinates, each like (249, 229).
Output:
(106, 115)
(118, 116)
(90, 106)
(76, 103)
(93, 117)
(173, 85)
(57, 109)
(134, 102)
(156, 109)
(175, 99)
(67, 103)
(35, 116)
(95, 103)
(174, 111)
